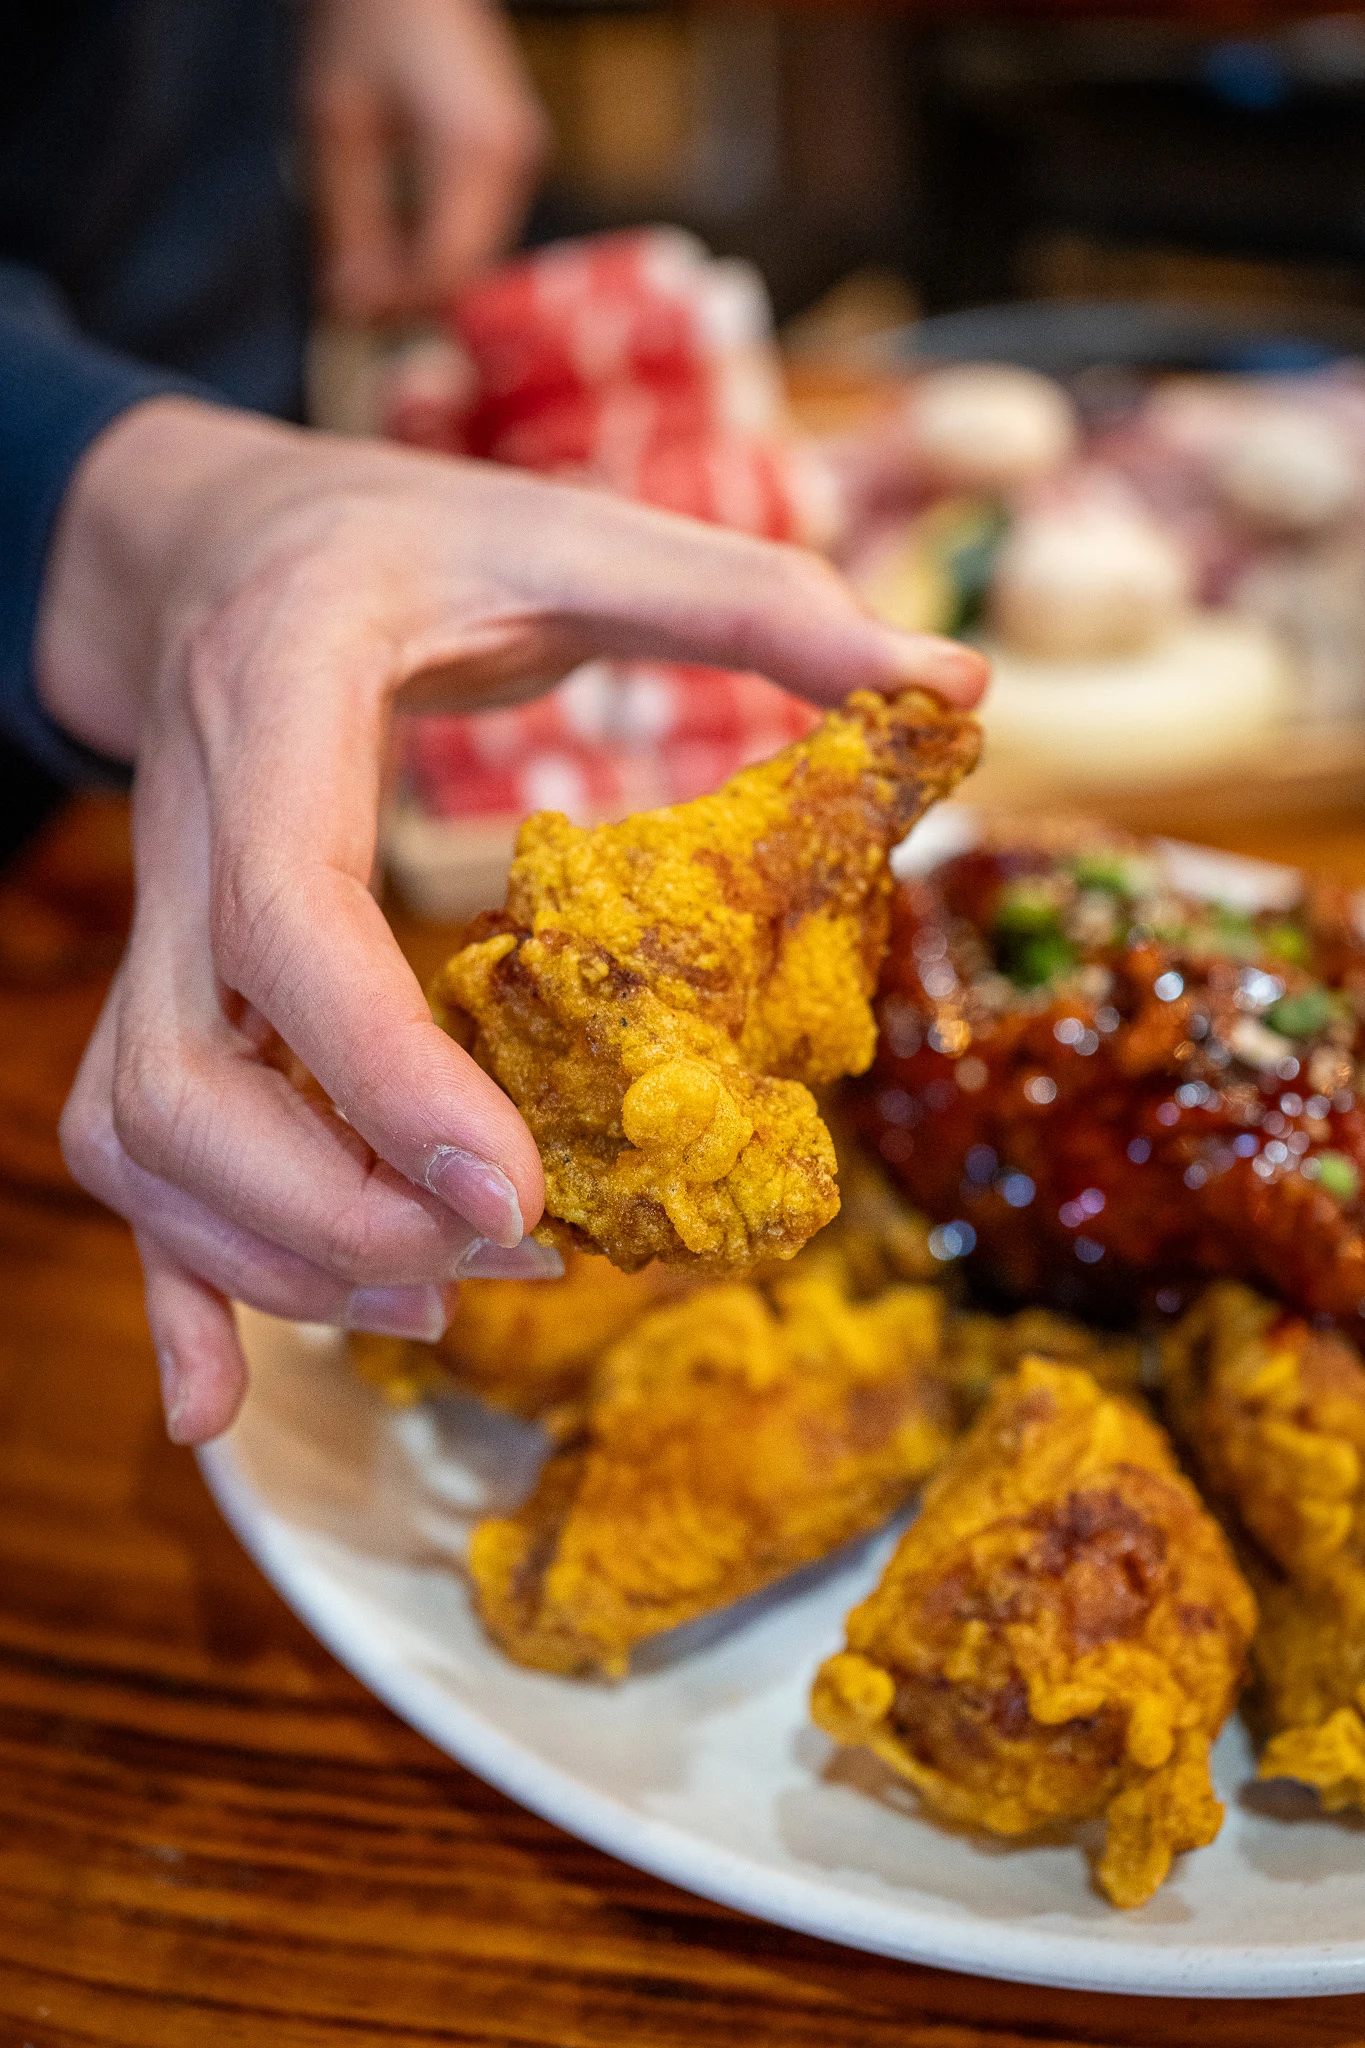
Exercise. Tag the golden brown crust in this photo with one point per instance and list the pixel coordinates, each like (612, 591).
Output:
(1061, 1633)
(1272, 1414)
(659, 996)
(729, 1439)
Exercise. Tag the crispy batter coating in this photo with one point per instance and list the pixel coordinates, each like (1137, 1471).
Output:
(1060, 1634)
(657, 994)
(1124, 1089)
(730, 1439)
(526, 1346)
(1272, 1413)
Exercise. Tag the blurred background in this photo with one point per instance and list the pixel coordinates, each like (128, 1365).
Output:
(976, 155)
(1162, 214)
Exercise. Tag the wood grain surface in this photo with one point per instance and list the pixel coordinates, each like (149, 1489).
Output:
(209, 1832)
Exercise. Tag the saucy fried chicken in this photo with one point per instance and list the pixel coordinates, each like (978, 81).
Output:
(1123, 1090)
(1060, 1634)
(728, 1440)
(658, 996)
(1272, 1414)
(526, 1346)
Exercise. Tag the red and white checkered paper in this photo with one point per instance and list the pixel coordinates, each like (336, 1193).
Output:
(635, 364)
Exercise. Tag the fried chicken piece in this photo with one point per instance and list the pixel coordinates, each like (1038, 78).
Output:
(1123, 1089)
(1272, 1414)
(729, 1439)
(526, 1346)
(1060, 1634)
(657, 994)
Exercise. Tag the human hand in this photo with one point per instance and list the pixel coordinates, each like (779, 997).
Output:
(238, 606)
(430, 94)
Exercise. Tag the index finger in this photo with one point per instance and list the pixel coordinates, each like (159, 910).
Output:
(531, 577)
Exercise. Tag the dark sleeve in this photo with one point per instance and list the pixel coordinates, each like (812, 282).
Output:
(58, 390)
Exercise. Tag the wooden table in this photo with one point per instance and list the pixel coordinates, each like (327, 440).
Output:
(209, 1832)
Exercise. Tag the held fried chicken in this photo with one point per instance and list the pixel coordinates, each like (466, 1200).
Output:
(1120, 1089)
(659, 996)
(1060, 1634)
(729, 1439)
(1272, 1413)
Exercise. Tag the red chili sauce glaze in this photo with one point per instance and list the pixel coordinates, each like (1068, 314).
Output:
(1107, 1090)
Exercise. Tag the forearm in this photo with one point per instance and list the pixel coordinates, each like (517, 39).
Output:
(131, 514)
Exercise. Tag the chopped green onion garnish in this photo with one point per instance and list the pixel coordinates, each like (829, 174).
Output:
(1233, 932)
(1338, 1174)
(1103, 868)
(1301, 1016)
(1038, 959)
(1288, 942)
(1027, 906)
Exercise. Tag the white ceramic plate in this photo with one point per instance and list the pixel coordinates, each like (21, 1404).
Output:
(704, 1767)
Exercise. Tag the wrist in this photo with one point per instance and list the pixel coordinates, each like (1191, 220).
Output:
(133, 509)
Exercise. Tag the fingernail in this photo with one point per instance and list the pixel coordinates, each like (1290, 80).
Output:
(398, 1312)
(484, 1260)
(478, 1191)
(927, 659)
(173, 1395)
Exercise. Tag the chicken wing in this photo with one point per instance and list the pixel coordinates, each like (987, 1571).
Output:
(657, 994)
(729, 1439)
(1060, 1634)
(1272, 1413)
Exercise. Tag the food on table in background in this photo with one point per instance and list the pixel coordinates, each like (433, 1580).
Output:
(728, 1440)
(526, 1346)
(634, 363)
(1085, 574)
(1286, 455)
(980, 1350)
(1263, 481)
(985, 427)
(1272, 1415)
(631, 361)
(616, 736)
(1109, 1089)
(657, 993)
(1204, 701)
(931, 573)
(1313, 601)
(1288, 471)
(1060, 1634)
(1105, 676)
